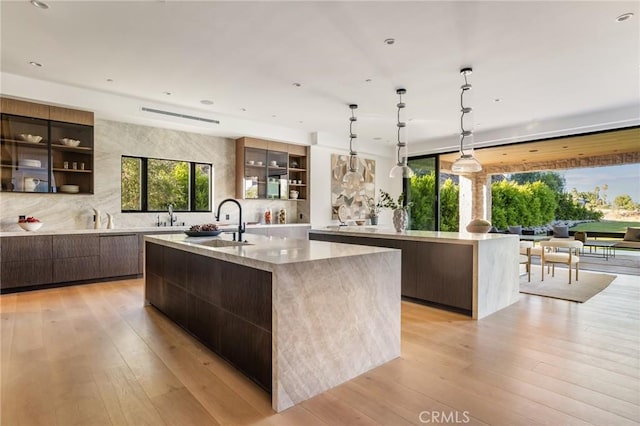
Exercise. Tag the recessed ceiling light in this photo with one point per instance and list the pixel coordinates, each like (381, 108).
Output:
(274, 116)
(243, 109)
(39, 4)
(297, 84)
(621, 18)
(206, 102)
(109, 80)
(368, 80)
(300, 121)
(167, 93)
(497, 100)
(389, 41)
(36, 64)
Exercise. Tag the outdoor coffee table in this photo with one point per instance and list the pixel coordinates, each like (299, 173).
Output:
(608, 248)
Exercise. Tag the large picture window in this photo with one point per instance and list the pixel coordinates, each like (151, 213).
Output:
(151, 184)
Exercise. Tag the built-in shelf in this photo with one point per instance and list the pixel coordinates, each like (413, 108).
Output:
(53, 124)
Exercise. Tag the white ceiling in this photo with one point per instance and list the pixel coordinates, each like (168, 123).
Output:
(543, 60)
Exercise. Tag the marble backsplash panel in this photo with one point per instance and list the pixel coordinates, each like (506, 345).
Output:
(114, 139)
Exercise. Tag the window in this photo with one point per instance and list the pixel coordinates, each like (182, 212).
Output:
(151, 184)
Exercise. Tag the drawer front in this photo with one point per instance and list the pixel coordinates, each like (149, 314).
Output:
(23, 274)
(76, 269)
(118, 255)
(75, 246)
(25, 248)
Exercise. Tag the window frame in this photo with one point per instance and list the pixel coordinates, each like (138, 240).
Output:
(144, 185)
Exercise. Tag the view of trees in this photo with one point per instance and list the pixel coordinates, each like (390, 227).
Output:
(529, 199)
(423, 195)
(131, 177)
(167, 182)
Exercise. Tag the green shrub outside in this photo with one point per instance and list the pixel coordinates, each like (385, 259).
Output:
(527, 203)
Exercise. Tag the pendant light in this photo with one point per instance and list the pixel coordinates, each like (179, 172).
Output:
(401, 169)
(352, 179)
(466, 163)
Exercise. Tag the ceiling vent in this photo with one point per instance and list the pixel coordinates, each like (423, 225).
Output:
(175, 114)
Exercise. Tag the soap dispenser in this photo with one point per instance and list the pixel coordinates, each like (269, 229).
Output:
(110, 223)
(96, 219)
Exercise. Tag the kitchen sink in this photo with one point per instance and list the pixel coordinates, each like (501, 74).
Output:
(223, 243)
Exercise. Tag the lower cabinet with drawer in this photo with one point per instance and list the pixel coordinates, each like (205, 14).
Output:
(49, 260)
(118, 255)
(76, 257)
(25, 261)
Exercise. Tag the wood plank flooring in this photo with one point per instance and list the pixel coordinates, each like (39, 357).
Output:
(94, 355)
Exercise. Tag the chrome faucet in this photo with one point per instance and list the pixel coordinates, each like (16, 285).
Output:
(172, 217)
(241, 227)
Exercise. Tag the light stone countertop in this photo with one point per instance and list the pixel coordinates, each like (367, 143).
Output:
(263, 252)
(390, 233)
(169, 229)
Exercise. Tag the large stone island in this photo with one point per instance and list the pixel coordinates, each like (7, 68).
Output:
(476, 274)
(298, 317)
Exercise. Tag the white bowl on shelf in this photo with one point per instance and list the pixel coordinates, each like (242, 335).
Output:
(70, 142)
(69, 189)
(30, 226)
(26, 162)
(29, 138)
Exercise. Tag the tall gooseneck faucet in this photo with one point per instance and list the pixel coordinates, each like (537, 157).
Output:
(241, 227)
(172, 217)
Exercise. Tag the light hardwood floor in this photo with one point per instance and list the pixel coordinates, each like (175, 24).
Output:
(93, 355)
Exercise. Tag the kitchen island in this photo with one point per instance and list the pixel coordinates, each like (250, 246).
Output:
(296, 316)
(476, 274)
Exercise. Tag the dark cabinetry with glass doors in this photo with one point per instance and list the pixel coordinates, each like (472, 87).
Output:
(45, 149)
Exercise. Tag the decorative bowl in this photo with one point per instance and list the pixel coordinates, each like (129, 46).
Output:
(479, 226)
(29, 138)
(70, 189)
(69, 142)
(30, 226)
(360, 222)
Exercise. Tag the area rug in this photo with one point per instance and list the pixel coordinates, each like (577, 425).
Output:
(558, 287)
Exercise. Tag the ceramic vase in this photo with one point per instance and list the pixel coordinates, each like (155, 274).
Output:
(374, 219)
(400, 219)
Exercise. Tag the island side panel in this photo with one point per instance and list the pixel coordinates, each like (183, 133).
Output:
(332, 321)
(224, 305)
(498, 278)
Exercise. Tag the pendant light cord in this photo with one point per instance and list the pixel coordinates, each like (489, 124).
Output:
(400, 126)
(464, 110)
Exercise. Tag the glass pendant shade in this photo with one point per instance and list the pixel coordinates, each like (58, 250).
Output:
(466, 163)
(401, 171)
(353, 178)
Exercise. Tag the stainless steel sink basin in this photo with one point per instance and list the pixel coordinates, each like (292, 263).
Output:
(222, 243)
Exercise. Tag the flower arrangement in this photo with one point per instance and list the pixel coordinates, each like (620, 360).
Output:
(375, 207)
(386, 201)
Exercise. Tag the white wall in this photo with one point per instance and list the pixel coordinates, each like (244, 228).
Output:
(321, 151)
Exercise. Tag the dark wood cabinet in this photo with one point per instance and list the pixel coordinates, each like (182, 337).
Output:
(439, 273)
(37, 152)
(268, 169)
(25, 261)
(225, 305)
(42, 260)
(76, 258)
(118, 255)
